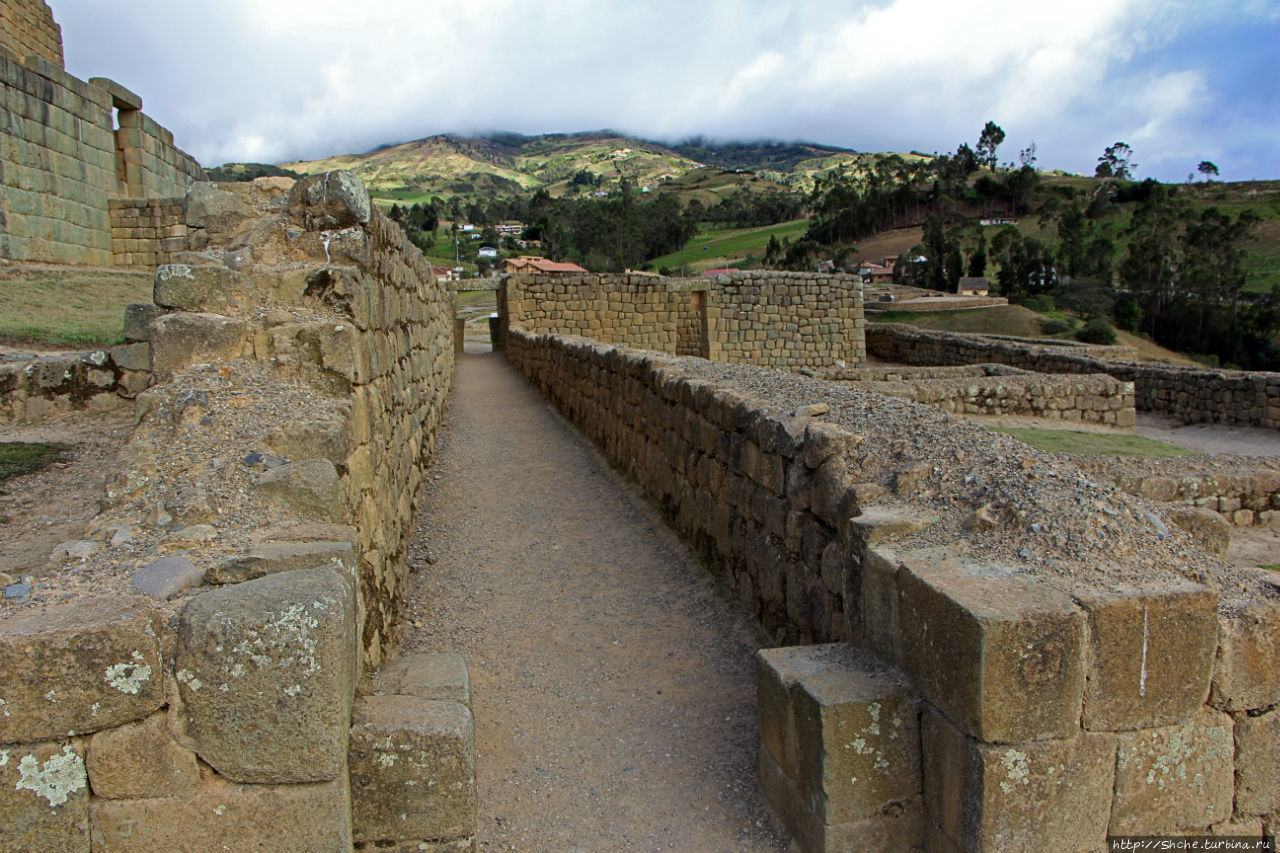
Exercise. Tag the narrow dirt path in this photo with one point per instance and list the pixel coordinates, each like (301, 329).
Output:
(614, 689)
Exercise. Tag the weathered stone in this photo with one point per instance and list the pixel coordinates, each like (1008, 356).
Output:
(823, 441)
(428, 676)
(192, 504)
(1258, 763)
(132, 356)
(73, 551)
(842, 728)
(140, 760)
(1246, 672)
(1046, 795)
(273, 557)
(209, 205)
(1175, 777)
(1208, 529)
(265, 671)
(1150, 654)
(309, 531)
(398, 743)
(832, 497)
(454, 845)
(88, 664)
(313, 439)
(166, 577)
(220, 816)
(44, 798)
(329, 200)
(137, 320)
(999, 653)
(310, 488)
(178, 340)
(188, 288)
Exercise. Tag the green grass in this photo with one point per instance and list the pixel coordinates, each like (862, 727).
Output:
(996, 320)
(20, 457)
(1094, 443)
(68, 308)
(711, 249)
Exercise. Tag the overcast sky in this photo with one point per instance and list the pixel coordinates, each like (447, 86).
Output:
(277, 80)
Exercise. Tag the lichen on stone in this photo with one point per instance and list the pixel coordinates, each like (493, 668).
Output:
(55, 780)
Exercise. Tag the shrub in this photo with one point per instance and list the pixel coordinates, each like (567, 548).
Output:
(1054, 326)
(1097, 331)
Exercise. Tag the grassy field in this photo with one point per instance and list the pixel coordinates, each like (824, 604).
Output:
(712, 249)
(1094, 443)
(68, 307)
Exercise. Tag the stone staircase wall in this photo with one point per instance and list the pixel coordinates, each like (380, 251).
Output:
(247, 570)
(974, 705)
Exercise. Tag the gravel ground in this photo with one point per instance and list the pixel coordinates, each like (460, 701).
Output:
(614, 689)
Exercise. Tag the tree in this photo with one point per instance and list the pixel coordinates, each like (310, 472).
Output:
(1207, 169)
(988, 141)
(1027, 156)
(1115, 163)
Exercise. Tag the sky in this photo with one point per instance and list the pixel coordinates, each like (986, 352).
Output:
(278, 80)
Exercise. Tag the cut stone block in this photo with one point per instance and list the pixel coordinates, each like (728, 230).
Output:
(1044, 795)
(222, 816)
(456, 845)
(1246, 673)
(178, 340)
(428, 676)
(266, 672)
(1000, 654)
(1174, 777)
(271, 558)
(192, 288)
(842, 729)
(137, 321)
(1258, 763)
(330, 200)
(44, 798)
(140, 760)
(1208, 529)
(89, 664)
(209, 205)
(1150, 655)
(310, 488)
(875, 619)
(412, 765)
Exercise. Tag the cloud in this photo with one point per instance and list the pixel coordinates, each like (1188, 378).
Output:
(244, 79)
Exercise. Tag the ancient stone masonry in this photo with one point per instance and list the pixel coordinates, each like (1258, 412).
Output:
(790, 321)
(1012, 656)
(69, 147)
(1194, 395)
(204, 678)
(146, 232)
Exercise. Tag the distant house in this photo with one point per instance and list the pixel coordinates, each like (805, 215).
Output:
(826, 266)
(973, 285)
(717, 271)
(542, 265)
(999, 220)
(510, 228)
(487, 252)
(876, 273)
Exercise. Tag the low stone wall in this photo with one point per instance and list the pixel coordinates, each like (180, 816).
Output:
(34, 388)
(1033, 660)
(1193, 395)
(146, 232)
(1085, 399)
(193, 679)
(788, 321)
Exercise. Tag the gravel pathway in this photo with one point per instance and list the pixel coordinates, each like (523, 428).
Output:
(614, 688)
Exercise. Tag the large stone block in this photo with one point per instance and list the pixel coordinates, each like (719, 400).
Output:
(1044, 795)
(310, 488)
(269, 558)
(211, 206)
(44, 799)
(1175, 777)
(178, 340)
(328, 201)
(85, 665)
(1150, 654)
(441, 676)
(193, 288)
(1258, 763)
(140, 760)
(220, 817)
(412, 765)
(1208, 529)
(266, 672)
(1246, 673)
(1000, 654)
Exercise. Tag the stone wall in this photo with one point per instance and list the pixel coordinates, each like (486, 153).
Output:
(790, 321)
(64, 158)
(1031, 660)
(146, 232)
(27, 29)
(1194, 395)
(33, 388)
(194, 680)
(1084, 399)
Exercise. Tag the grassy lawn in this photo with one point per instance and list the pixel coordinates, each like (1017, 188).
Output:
(19, 457)
(68, 307)
(711, 249)
(996, 320)
(1094, 443)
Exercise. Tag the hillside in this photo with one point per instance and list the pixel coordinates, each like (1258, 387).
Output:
(568, 164)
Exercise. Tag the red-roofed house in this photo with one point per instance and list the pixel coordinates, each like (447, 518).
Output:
(527, 264)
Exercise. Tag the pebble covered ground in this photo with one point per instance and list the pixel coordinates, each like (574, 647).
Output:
(613, 687)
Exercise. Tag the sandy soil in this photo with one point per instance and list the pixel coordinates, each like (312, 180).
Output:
(614, 689)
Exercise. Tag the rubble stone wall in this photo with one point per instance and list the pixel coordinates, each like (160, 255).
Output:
(788, 321)
(1194, 395)
(975, 704)
(249, 561)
